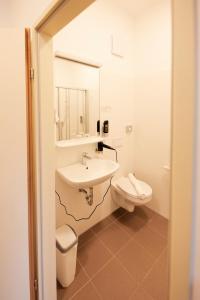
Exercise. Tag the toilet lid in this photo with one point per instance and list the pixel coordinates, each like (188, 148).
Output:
(126, 186)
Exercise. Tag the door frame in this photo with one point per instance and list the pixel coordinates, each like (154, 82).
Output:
(58, 15)
(31, 169)
(182, 149)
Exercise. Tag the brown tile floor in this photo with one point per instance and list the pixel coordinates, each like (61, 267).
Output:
(122, 257)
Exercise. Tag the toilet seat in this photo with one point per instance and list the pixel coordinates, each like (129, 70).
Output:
(127, 190)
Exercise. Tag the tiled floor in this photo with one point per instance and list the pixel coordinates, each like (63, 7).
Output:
(122, 257)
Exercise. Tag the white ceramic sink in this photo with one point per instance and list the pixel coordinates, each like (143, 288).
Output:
(96, 171)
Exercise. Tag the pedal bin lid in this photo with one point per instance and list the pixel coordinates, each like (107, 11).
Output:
(66, 238)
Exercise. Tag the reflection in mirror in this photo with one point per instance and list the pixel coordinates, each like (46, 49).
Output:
(73, 113)
(76, 99)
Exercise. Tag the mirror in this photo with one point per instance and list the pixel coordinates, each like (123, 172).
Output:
(77, 104)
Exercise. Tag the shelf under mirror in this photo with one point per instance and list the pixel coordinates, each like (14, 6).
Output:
(78, 141)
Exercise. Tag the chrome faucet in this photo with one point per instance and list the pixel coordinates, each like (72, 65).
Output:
(85, 156)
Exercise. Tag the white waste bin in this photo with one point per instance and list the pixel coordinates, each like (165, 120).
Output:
(66, 253)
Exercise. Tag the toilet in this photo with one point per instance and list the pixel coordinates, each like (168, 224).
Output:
(125, 192)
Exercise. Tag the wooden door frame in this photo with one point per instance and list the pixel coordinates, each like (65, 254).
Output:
(31, 170)
(183, 103)
(56, 17)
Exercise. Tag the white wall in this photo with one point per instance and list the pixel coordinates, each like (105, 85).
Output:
(6, 19)
(14, 270)
(89, 36)
(21, 13)
(152, 101)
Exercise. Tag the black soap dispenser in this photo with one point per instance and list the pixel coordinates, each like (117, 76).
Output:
(106, 126)
(98, 127)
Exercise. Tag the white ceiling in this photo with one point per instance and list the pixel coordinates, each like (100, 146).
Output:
(135, 7)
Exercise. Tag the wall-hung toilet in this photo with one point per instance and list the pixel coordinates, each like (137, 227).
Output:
(128, 193)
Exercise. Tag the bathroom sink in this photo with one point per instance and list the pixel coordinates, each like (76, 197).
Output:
(94, 172)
